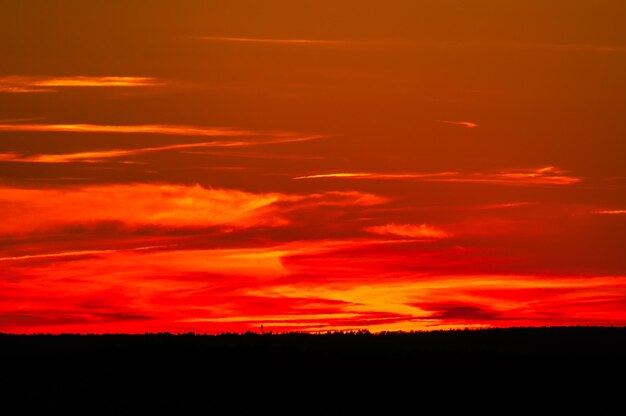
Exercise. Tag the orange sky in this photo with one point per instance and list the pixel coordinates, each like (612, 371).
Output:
(216, 166)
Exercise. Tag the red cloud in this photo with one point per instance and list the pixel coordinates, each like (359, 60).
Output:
(167, 206)
(466, 124)
(409, 230)
(309, 286)
(22, 84)
(514, 177)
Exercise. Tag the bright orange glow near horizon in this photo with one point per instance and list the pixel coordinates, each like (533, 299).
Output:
(218, 166)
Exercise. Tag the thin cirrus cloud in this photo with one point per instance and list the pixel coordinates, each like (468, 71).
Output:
(162, 129)
(24, 84)
(270, 41)
(503, 205)
(409, 230)
(177, 130)
(611, 212)
(70, 254)
(437, 44)
(518, 177)
(103, 155)
(97, 156)
(256, 155)
(158, 205)
(466, 124)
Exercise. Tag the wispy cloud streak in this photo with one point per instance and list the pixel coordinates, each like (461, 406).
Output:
(436, 44)
(467, 124)
(100, 155)
(95, 156)
(542, 176)
(69, 254)
(409, 230)
(23, 84)
(175, 130)
(275, 41)
(97, 82)
(612, 212)
(503, 205)
(166, 129)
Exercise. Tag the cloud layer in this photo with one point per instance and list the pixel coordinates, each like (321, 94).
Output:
(515, 177)
(24, 84)
(173, 206)
(409, 230)
(128, 129)
(355, 285)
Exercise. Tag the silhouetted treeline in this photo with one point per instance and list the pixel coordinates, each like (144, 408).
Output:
(545, 341)
(173, 374)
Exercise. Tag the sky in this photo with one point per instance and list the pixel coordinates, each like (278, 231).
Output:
(230, 165)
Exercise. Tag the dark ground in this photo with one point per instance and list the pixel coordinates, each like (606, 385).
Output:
(226, 374)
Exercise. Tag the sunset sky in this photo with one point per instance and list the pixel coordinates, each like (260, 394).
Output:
(311, 165)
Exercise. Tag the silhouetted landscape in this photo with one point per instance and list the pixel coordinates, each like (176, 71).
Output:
(99, 374)
(511, 342)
